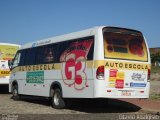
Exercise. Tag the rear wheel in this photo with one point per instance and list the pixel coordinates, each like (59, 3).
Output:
(15, 94)
(57, 100)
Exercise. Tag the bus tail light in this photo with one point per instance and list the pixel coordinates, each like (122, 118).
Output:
(100, 73)
(149, 74)
(141, 91)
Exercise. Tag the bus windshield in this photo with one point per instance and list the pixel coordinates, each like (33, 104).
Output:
(120, 43)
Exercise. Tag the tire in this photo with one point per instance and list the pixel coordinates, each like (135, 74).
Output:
(15, 94)
(101, 102)
(57, 100)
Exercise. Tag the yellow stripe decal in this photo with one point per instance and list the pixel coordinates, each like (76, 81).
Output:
(89, 64)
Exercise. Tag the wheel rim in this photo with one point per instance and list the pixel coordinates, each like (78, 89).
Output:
(15, 92)
(56, 99)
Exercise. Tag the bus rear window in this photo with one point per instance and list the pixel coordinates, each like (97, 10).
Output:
(124, 44)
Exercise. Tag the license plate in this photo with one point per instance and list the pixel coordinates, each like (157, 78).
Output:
(126, 93)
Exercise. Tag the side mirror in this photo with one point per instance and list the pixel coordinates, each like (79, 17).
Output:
(10, 64)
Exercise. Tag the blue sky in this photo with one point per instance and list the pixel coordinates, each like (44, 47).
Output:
(23, 21)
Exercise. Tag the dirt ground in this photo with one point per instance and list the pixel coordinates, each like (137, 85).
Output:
(38, 105)
(155, 86)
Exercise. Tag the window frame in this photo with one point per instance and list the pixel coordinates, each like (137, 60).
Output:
(58, 48)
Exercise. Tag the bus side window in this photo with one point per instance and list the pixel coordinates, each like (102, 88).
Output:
(22, 59)
(62, 47)
(49, 54)
(30, 56)
(85, 48)
(81, 47)
(39, 55)
(55, 52)
(91, 51)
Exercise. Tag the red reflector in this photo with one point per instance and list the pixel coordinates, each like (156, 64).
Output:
(149, 73)
(108, 90)
(141, 91)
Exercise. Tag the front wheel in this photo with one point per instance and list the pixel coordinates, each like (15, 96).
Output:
(57, 100)
(15, 94)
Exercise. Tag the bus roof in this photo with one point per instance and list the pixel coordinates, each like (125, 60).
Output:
(70, 36)
(74, 35)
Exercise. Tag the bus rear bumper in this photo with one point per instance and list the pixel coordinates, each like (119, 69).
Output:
(140, 93)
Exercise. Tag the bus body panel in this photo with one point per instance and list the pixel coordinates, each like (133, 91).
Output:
(122, 78)
(43, 89)
(123, 83)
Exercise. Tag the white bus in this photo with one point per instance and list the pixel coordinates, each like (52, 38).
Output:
(101, 62)
(7, 52)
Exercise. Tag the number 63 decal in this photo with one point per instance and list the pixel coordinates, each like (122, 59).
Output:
(73, 71)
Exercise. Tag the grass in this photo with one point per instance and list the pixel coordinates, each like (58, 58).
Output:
(155, 96)
(155, 69)
(155, 72)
